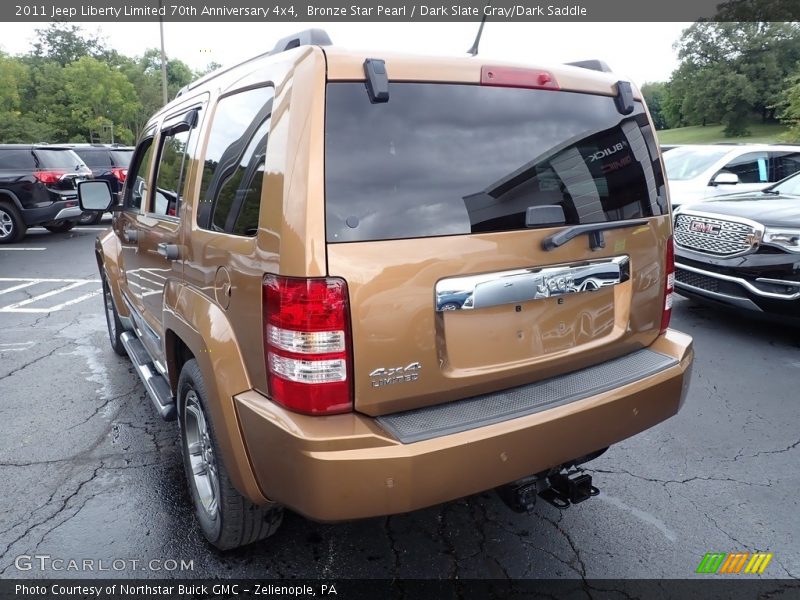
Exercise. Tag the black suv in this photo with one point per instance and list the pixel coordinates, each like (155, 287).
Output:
(743, 251)
(109, 162)
(38, 186)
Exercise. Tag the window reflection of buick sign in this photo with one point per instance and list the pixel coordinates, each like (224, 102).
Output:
(591, 177)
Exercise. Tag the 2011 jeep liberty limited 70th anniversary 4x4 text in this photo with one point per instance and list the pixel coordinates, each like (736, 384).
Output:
(367, 284)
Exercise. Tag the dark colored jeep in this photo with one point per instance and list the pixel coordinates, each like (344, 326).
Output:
(109, 162)
(38, 186)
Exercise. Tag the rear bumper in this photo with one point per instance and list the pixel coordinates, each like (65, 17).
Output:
(346, 467)
(66, 208)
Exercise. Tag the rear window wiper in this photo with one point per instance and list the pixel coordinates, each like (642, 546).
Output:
(594, 230)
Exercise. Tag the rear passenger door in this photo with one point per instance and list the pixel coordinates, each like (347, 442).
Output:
(223, 259)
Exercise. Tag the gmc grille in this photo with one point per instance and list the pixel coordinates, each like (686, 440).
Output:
(721, 238)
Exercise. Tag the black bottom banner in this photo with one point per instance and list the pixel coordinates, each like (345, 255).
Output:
(384, 589)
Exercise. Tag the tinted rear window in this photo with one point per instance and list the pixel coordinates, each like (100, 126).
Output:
(94, 157)
(443, 159)
(58, 159)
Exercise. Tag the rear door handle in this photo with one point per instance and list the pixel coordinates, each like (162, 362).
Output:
(131, 235)
(169, 251)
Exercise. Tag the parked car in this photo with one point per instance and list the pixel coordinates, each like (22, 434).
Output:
(38, 187)
(696, 173)
(285, 229)
(107, 161)
(743, 251)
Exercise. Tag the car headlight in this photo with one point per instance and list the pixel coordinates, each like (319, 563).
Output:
(788, 239)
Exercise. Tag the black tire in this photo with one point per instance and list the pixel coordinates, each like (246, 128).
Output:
(112, 320)
(90, 218)
(12, 227)
(60, 227)
(227, 519)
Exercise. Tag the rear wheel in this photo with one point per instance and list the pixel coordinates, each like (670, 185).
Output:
(227, 519)
(12, 227)
(112, 320)
(60, 226)
(90, 218)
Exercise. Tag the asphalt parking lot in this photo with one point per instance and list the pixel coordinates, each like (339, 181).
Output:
(89, 471)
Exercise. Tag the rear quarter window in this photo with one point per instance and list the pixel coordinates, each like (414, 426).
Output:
(17, 159)
(445, 159)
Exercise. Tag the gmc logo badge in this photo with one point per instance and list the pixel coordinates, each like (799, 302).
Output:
(702, 227)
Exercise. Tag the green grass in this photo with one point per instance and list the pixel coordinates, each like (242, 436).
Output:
(710, 134)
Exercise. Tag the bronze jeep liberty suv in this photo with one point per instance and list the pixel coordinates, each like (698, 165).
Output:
(367, 284)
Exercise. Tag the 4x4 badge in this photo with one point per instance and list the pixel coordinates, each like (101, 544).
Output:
(382, 376)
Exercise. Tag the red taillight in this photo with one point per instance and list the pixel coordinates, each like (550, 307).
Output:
(120, 173)
(49, 177)
(519, 78)
(307, 343)
(669, 285)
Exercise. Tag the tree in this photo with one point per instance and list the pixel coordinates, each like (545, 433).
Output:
(654, 97)
(730, 70)
(98, 97)
(65, 43)
(13, 76)
(212, 66)
(789, 108)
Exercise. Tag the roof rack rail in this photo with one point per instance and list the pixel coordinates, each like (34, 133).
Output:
(593, 64)
(307, 37)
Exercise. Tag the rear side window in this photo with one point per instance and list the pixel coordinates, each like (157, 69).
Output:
(121, 158)
(17, 159)
(233, 170)
(784, 164)
(442, 159)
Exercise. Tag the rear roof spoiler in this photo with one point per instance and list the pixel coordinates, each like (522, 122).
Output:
(594, 65)
(308, 37)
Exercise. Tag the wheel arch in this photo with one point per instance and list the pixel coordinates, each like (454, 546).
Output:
(195, 327)
(12, 197)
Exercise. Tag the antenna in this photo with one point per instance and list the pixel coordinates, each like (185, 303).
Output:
(474, 48)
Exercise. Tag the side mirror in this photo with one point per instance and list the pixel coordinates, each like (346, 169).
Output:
(95, 195)
(725, 178)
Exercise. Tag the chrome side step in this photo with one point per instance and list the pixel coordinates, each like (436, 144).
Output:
(156, 386)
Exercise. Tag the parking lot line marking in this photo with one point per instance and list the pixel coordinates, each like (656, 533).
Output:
(66, 288)
(20, 286)
(43, 280)
(16, 346)
(76, 300)
(22, 283)
(23, 248)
